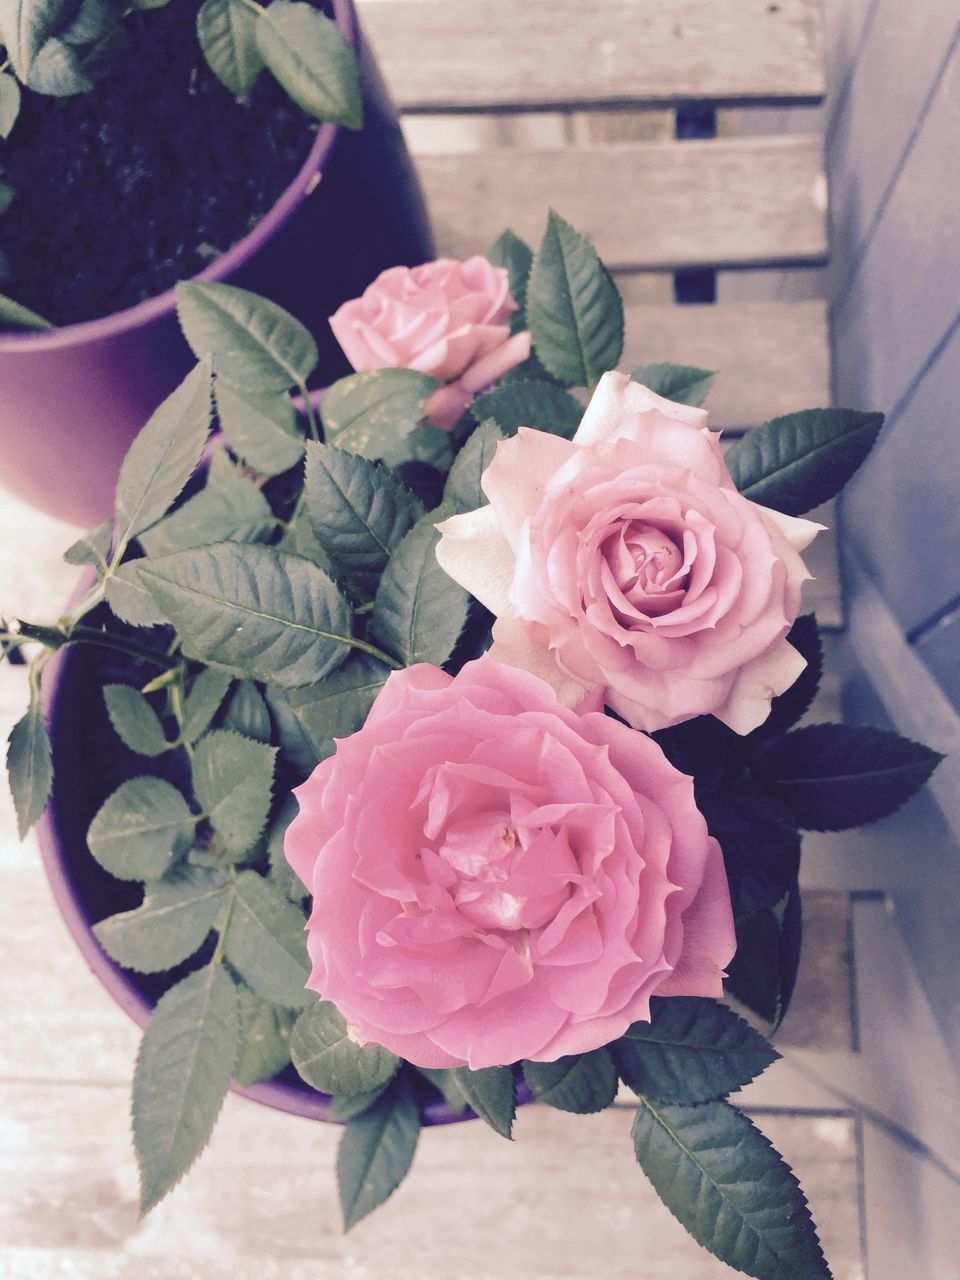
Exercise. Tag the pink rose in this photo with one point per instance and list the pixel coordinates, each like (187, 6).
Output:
(625, 563)
(445, 318)
(495, 877)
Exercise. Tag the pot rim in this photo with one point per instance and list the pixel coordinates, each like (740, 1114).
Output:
(163, 304)
(278, 1094)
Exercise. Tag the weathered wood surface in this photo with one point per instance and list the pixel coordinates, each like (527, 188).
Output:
(771, 357)
(455, 55)
(653, 205)
(566, 1199)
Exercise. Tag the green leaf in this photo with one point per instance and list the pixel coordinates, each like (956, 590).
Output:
(29, 767)
(261, 429)
(428, 444)
(682, 383)
(692, 1050)
(81, 52)
(266, 943)
(371, 412)
(836, 776)
(492, 1093)
(58, 71)
(134, 720)
(264, 1038)
(313, 61)
(281, 872)
(203, 701)
(329, 1060)
(300, 748)
(226, 30)
(183, 1072)
(796, 462)
(463, 488)
(162, 457)
(254, 343)
(16, 316)
(337, 706)
(763, 973)
(26, 25)
(419, 611)
(760, 843)
(376, 1151)
(93, 548)
(509, 251)
(141, 829)
(300, 540)
(582, 1082)
(9, 104)
(542, 405)
(129, 600)
(170, 924)
(445, 1082)
(254, 611)
(229, 508)
(248, 713)
(725, 1183)
(233, 780)
(359, 512)
(349, 1105)
(788, 707)
(573, 308)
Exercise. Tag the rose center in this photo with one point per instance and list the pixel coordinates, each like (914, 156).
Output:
(645, 566)
(484, 851)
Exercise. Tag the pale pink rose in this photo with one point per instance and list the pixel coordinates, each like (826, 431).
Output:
(495, 877)
(625, 563)
(445, 318)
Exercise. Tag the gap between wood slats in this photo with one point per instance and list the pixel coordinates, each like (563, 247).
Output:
(749, 201)
(456, 55)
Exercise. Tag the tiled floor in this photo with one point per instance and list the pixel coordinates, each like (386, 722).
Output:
(565, 1200)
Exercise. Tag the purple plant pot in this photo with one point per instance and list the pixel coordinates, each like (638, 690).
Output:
(72, 399)
(85, 774)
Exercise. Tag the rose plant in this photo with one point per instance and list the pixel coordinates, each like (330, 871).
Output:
(465, 760)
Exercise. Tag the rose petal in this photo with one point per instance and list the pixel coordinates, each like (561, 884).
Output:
(748, 703)
(474, 552)
(516, 478)
(618, 397)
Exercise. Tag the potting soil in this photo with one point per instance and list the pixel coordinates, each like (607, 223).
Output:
(143, 181)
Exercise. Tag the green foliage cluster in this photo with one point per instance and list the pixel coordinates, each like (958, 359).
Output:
(64, 47)
(270, 605)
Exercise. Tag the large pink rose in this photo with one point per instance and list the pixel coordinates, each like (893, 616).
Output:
(625, 563)
(495, 877)
(445, 318)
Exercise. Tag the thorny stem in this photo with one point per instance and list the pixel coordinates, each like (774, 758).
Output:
(54, 638)
(222, 925)
(82, 607)
(313, 420)
(175, 695)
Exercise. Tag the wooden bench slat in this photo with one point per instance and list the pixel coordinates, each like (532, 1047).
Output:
(457, 55)
(771, 357)
(736, 202)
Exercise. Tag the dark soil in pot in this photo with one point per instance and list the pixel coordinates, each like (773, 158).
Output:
(122, 191)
